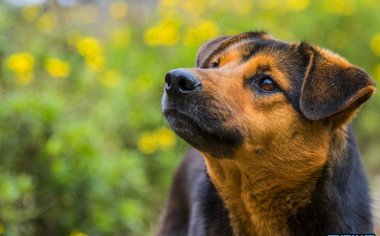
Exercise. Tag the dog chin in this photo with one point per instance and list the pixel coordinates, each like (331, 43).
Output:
(214, 142)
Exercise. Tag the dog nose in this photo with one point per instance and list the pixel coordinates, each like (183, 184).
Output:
(181, 81)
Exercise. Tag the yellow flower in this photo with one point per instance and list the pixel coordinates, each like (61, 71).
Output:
(147, 143)
(22, 64)
(30, 13)
(110, 79)
(57, 68)
(89, 46)
(165, 138)
(91, 49)
(375, 44)
(46, 22)
(166, 32)
(118, 10)
(203, 31)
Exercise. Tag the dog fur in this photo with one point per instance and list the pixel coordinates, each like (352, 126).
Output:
(276, 154)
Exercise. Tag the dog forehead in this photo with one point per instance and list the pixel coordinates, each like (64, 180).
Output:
(276, 58)
(221, 44)
(244, 49)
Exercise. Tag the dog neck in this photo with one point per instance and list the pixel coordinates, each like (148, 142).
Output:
(262, 192)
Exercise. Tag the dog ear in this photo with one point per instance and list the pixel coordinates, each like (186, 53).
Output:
(207, 48)
(332, 87)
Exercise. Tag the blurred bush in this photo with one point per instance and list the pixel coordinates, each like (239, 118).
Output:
(84, 149)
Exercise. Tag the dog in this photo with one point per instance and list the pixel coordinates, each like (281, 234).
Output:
(274, 153)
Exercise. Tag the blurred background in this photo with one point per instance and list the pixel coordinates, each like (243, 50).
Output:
(84, 149)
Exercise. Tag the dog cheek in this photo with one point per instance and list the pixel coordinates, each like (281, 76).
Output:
(263, 127)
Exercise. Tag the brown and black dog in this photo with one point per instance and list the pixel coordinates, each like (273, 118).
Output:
(277, 155)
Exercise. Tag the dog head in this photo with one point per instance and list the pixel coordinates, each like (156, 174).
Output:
(253, 96)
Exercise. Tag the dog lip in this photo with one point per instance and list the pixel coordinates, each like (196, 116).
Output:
(218, 144)
(191, 124)
(169, 111)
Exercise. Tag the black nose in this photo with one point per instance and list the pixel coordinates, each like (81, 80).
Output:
(181, 81)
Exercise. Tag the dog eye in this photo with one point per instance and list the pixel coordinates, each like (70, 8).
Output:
(214, 64)
(265, 84)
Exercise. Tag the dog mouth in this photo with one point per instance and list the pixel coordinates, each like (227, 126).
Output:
(187, 128)
(202, 130)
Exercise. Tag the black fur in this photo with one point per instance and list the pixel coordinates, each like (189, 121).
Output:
(194, 206)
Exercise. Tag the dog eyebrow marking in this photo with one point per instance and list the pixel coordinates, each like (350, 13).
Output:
(264, 62)
(252, 49)
(229, 56)
(234, 40)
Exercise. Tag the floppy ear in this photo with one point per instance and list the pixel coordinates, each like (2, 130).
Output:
(332, 87)
(207, 48)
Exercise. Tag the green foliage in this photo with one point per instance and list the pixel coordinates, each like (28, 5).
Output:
(84, 149)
